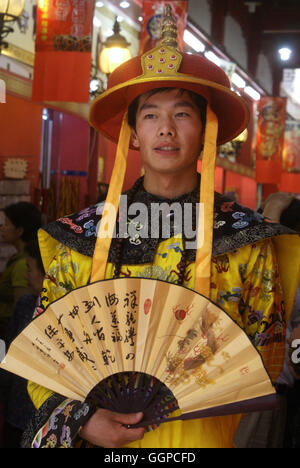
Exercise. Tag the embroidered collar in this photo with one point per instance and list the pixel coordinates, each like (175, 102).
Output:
(235, 226)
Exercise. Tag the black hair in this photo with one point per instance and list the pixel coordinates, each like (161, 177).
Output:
(290, 217)
(198, 100)
(33, 250)
(25, 215)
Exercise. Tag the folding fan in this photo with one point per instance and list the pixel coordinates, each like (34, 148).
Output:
(146, 345)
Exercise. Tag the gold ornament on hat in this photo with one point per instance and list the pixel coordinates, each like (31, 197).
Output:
(165, 59)
(169, 30)
(161, 61)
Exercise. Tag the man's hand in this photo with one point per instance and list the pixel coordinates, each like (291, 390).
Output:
(106, 429)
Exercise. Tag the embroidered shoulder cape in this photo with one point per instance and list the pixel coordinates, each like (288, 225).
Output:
(235, 226)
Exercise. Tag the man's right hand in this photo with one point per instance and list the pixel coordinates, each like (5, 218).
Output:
(108, 429)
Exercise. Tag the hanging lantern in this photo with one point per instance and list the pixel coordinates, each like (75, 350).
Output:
(115, 51)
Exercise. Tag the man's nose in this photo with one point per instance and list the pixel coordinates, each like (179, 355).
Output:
(167, 128)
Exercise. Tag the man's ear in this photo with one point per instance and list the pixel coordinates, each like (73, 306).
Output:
(134, 139)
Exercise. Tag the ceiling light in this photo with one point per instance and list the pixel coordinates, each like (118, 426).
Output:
(96, 22)
(124, 4)
(252, 93)
(212, 57)
(94, 85)
(193, 41)
(99, 4)
(238, 81)
(45, 114)
(252, 5)
(285, 53)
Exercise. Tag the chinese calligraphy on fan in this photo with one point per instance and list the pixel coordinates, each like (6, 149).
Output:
(93, 313)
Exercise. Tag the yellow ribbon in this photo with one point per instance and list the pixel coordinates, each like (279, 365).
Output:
(110, 210)
(206, 209)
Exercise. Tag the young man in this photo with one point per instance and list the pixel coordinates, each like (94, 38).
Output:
(169, 129)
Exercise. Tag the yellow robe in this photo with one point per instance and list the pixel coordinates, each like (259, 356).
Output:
(246, 283)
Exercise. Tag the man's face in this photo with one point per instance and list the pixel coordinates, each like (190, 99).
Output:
(10, 234)
(168, 132)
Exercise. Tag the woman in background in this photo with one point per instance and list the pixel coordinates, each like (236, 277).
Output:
(17, 406)
(22, 221)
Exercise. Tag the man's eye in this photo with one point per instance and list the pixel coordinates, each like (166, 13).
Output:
(149, 116)
(182, 114)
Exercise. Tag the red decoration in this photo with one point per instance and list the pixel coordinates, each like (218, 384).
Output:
(63, 50)
(290, 178)
(270, 138)
(153, 11)
(290, 182)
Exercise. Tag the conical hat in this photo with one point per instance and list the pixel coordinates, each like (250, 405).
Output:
(164, 67)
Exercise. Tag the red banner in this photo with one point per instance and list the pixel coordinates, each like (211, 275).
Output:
(153, 12)
(63, 50)
(270, 139)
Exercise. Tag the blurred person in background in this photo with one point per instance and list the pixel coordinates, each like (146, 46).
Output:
(18, 407)
(21, 222)
(283, 208)
(279, 428)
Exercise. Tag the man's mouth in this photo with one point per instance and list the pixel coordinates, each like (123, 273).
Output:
(167, 149)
